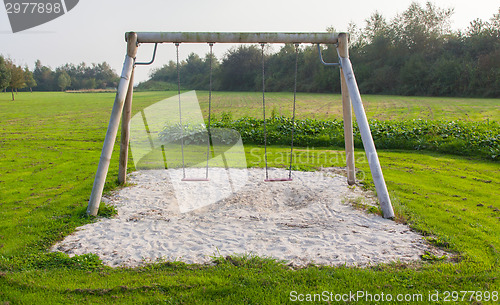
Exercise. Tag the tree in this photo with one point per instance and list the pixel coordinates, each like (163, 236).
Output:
(422, 28)
(376, 27)
(241, 69)
(44, 77)
(167, 73)
(4, 74)
(63, 80)
(105, 76)
(16, 77)
(29, 79)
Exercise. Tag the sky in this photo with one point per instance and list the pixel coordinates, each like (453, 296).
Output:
(93, 31)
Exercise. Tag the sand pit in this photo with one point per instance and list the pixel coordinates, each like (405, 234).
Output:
(308, 220)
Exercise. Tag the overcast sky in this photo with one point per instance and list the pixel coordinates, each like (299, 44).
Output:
(94, 30)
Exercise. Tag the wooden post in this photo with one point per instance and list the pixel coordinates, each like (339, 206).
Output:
(125, 135)
(366, 137)
(343, 49)
(228, 37)
(114, 121)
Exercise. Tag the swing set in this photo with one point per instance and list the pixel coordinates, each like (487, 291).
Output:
(350, 98)
(206, 178)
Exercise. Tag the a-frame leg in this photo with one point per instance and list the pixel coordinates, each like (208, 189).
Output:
(343, 49)
(366, 137)
(114, 121)
(125, 135)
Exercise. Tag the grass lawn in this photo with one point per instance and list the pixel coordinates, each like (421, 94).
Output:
(329, 106)
(49, 149)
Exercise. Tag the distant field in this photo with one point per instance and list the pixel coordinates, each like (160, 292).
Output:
(309, 105)
(329, 106)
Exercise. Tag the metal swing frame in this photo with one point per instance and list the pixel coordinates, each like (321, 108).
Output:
(350, 98)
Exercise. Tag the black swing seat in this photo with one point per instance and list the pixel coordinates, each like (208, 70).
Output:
(278, 180)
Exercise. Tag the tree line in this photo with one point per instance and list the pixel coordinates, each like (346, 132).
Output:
(414, 53)
(68, 76)
(75, 77)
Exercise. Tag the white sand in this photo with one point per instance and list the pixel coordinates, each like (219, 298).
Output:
(308, 220)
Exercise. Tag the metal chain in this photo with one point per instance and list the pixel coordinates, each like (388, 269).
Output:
(180, 111)
(264, 107)
(209, 108)
(293, 112)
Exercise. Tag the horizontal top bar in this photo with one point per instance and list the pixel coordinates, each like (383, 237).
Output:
(227, 37)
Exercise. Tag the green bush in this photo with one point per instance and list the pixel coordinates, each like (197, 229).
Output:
(455, 137)
(190, 133)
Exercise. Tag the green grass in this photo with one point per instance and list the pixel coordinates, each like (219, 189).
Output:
(49, 149)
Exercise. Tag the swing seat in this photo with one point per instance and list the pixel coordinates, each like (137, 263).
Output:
(278, 180)
(195, 179)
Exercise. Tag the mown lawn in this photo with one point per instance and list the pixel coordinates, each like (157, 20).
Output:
(329, 106)
(49, 149)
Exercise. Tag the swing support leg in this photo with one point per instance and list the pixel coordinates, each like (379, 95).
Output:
(366, 137)
(125, 136)
(114, 121)
(343, 49)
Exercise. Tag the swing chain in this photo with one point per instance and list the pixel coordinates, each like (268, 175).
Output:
(294, 102)
(180, 111)
(211, 44)
(264, 107)
(293, 112)
(180, 115)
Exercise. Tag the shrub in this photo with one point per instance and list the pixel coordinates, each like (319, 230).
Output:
(454, 137)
